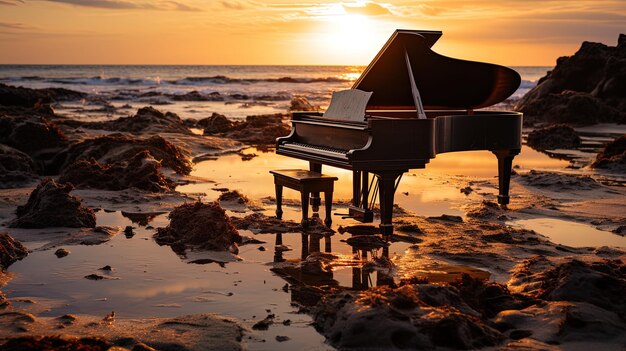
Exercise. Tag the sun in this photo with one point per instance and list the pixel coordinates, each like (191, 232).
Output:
(350, 38)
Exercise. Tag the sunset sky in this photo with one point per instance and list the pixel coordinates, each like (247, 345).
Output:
(510, 32)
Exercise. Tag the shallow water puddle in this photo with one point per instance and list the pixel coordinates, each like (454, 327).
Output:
(571, 233)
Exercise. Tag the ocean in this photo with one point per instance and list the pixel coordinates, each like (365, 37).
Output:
(194, 91)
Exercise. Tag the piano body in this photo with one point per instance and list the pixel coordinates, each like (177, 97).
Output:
(423, 104)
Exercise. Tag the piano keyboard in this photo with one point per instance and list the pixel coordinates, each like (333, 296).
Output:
(325, 150)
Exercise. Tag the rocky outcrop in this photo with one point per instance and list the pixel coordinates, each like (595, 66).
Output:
(116, 148)
(259, 130)
(613, 157)
(217, 123)
(16, 168)
(201, 226)
(26, 97)
(51, 205)
(586, 88)
(559, 136)
(29, 131)
(141, 171)
(147, 119)
(11, 250)
(301, 103)
(414, 316)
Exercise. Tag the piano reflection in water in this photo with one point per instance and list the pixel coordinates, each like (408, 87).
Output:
(422, 104)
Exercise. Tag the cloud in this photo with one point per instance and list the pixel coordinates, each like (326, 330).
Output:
(14, 26)
(367, 9)
(128, 5)
(11, 2)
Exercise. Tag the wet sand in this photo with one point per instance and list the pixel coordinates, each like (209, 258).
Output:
(562, 214)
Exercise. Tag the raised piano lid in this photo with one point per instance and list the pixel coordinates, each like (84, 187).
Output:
(444, 83)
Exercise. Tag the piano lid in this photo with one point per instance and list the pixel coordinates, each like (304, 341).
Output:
(444, 83)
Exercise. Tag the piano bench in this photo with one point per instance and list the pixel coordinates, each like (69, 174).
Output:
(305, 182)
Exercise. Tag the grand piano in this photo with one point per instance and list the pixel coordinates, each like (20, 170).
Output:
(422, 104)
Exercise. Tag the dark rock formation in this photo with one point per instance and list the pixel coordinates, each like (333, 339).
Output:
(147, 119)
(613, 157)
(215, 124)
(119, 148)
(558, 136)
(417, 317)
(57, 342)
(11, 250)
(141, 171)
(51, 205)
(198, 225)
(586, 88)
(599, 283)
(259, 130)
(197, 96)
(301, 103)
(16, 168)
(233, 196)
(26, 97)
(29, 131)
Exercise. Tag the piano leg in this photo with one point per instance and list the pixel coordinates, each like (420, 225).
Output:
(387, 188)
(315, 197)
(505, 161)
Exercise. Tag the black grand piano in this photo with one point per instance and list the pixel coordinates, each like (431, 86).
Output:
(423, 103)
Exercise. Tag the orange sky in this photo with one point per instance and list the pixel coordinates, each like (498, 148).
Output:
(510, 32)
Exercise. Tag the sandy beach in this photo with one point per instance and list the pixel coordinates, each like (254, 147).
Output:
(105, 206)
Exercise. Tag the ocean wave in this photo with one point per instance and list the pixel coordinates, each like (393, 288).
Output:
(527, 84)
(196, 81)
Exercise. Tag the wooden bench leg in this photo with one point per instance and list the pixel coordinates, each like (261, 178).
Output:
(279, 201)
(328, 203)
(305, 208)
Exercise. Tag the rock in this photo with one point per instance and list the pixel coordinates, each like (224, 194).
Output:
(119, 148)
(484, 210)
(282, 338)
(147, 119)
(265, 323)
(94, 277)
(402, 318)
(61, 253)
(448, 218)
(301, 103)
(128, 232)
(588, 87)
(16, 168)
(197, 96)
(199, 225)
(30, 132)
(233, 196)
(600, 283)
(26, 97)
(259, 130)
(51, 205)
(106, 268)
(613, 157)
(57, 342)
(558, 136)
(217, 123)
(141, 171)
(11, 250)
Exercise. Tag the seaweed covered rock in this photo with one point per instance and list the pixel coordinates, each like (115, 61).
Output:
(588, 87)
(216, 123)
(141, 171)
(11, 250)
(558, 181)
(16, 168)
(57, 342)
(199, 225)
(51, 205)
(558, 136)
(147, 119)
(301, 103)
(600, 283)
(613, 156)
(29, 131)
(26, 97)
(259, 130)
(119, 148)
(414, 316)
